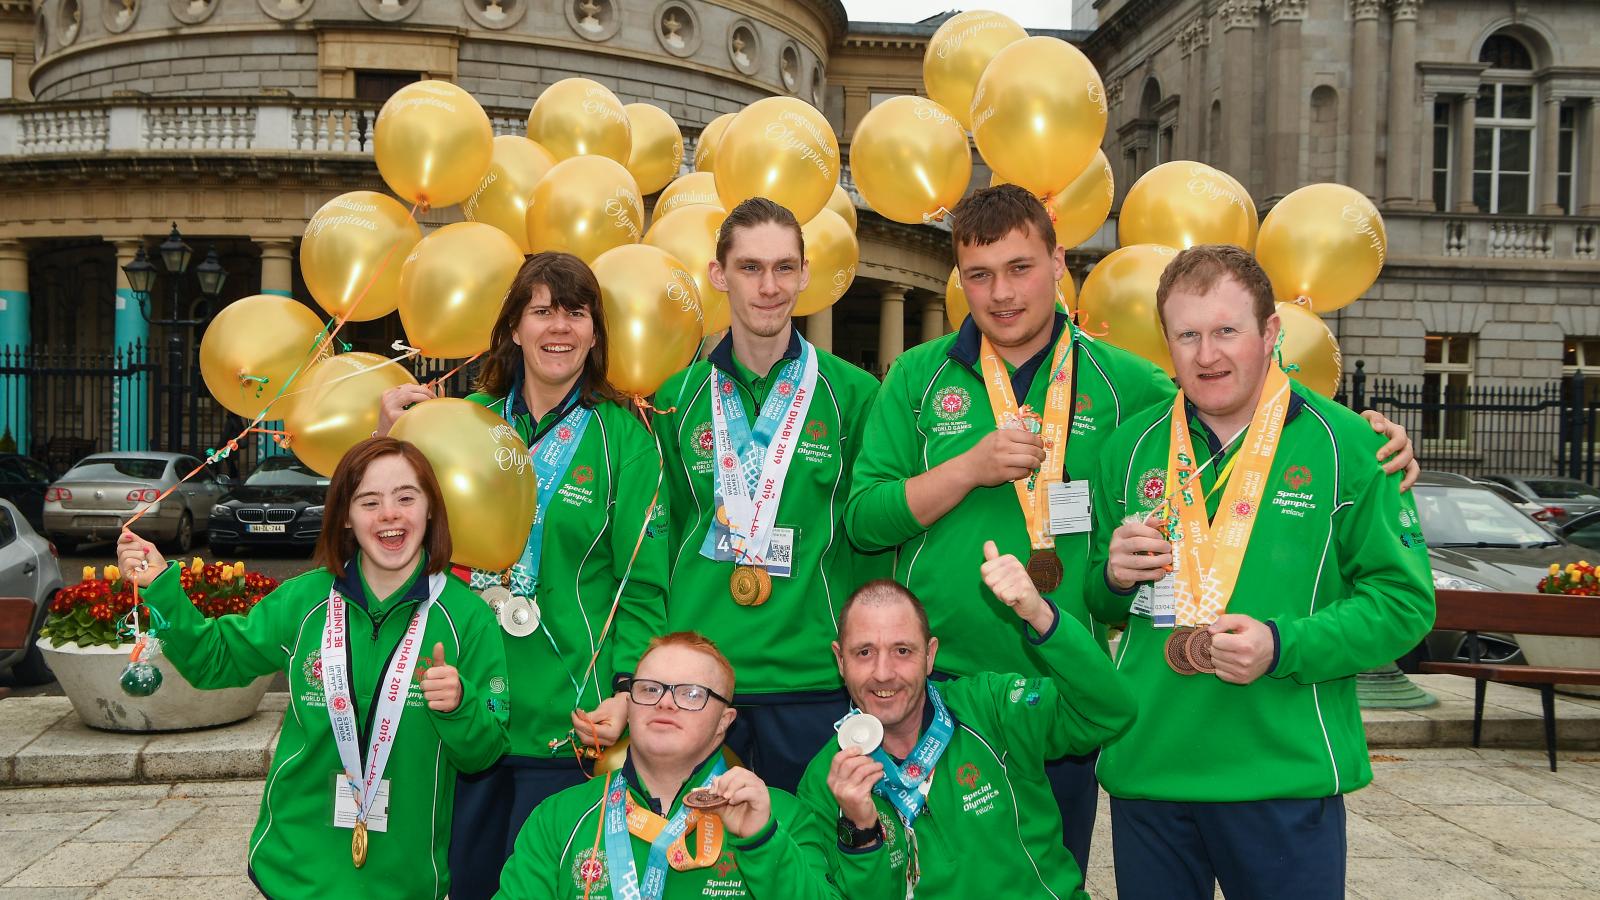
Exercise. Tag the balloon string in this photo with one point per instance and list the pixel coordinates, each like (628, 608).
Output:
(446, 376)
(1049, 210)
(1105, 329)
(935, 216)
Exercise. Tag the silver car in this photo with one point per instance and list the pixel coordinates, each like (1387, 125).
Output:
(95, 497)
(28, 568)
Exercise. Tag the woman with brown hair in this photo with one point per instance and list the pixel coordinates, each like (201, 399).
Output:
(591, 549)
(358, 799)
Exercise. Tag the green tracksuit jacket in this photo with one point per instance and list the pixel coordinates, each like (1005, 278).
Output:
(934, 407)
(1336, 564)
(786, 860)
(295, 851)
(782, 645)
(991, 828)
(590, 531)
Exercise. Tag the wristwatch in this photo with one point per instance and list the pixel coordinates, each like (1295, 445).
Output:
(858, 838)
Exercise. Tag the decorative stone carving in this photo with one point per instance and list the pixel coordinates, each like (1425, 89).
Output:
(744, 48)
(69, 21)
(389, 10)
(192, 12)
(677, 28)
(1199, 33)
(593, 20)
(495, 14)
(1365, 9)
(1239, 13)
(1404, 9)
(789, 67)
(119, 15)
(285, 10)
(1286, 10)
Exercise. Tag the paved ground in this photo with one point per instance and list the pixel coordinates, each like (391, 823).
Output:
(1447, 823)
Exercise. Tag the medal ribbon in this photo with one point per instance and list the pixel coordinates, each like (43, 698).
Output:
(396, 686)
(752, 465)
(903, 785)
(1208, 554)
(1033, 492)
(624, 817)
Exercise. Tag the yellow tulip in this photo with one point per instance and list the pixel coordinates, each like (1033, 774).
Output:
(197, 565)
(112, 573)
(1555, 568)
(238, 567)
(88, 573)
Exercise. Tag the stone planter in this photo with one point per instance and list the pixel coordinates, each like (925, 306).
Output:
(1545, 650)
(90, 677)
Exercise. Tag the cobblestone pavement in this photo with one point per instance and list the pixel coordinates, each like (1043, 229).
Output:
(1446, 823)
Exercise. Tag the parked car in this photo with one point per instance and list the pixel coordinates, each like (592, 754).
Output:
(1477, 541)
(1536, 511)
(1569, 495)
(28, 568)
(95, 497)
(1583, 530)
(278, 505)
(23, 481)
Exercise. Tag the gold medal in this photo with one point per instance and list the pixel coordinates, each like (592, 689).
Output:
(358, 845)
(750, 585)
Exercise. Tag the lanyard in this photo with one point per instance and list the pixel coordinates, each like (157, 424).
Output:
(389, 705)
(905, 786)
(752, 464)
(619, 845)
(1054, 425)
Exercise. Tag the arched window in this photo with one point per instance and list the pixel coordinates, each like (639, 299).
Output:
(1503, 139)
(1214, 134)
(1324, 142)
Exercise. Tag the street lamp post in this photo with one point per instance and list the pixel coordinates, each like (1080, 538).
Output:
(175, 257)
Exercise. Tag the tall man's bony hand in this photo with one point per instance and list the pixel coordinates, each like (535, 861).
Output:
(1138, 553)
(851, 777)
(1241, 648)
(396, 401)
(1008, 579)
(603, 724)
(1004, 456)
(1398, 453)
(441, 683)
(749, 805)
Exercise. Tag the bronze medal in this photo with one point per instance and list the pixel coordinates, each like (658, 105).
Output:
(358, 845)
(1178, 651)
(750, 585)
(1198, 649)
(703, 799)
(1044, 568)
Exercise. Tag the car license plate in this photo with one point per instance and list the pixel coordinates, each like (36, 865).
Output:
(264, 529)
(97, 521)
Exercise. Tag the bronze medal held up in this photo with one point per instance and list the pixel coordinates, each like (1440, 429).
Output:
(1198, 649)
(1045, 569)
(750, 585)
(704, 799)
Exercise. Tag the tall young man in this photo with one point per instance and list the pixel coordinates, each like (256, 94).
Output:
(1273, 560)
(758, 441)
(994, 432)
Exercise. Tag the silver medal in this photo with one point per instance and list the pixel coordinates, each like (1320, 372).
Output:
(519, 617)
(861, 730)
(497, 597)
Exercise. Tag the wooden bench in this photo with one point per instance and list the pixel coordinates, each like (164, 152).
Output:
(16, 624)
(1546, 614)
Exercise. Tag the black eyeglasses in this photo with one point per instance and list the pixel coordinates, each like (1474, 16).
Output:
(689, 697)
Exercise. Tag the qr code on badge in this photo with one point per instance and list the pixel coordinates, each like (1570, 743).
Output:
(779, 554)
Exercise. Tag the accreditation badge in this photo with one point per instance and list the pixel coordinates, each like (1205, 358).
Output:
(1069, 507)
(344, 805)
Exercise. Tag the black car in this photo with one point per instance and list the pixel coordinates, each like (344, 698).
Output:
(23, 481)
(279, 505)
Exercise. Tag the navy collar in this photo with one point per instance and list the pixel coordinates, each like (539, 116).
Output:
(349, 585)
(969, 343)
(722, 355)
(519, 403)
(1296, 403)
(631, 776)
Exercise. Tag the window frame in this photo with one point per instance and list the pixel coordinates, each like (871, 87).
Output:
(1446, 437)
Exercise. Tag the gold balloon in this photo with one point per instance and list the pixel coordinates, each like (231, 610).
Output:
(1325, 242)
(337, 406)
(689, 233)
(653, 319)
(959, 52)
(956, 307)
(485, 473)
(579, 117)
(504, 194)
(657, 146)
(1255, 217)
(1311, 353)
(452, 286)
(780, 148)
(1079, 209)
(705, 148)
(910, 160)
(351, 253)
(1039, 114)
(252, 346)
(832, 256)
(843, 206)
(687, 190)
(1182, 204)
(1118, 303)
(433, 143)
(585, 206)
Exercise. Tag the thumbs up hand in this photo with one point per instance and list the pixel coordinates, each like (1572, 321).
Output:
(441, 683)
(1008, 579)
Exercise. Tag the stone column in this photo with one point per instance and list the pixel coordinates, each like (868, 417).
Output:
(277, 267)
(1400, 176)
(131, 341)
(933, 325)
(1590, 172)
(891, 325)
(1195, 91)
(1425, 149)
(1284, 103)
(15, 335)
(1238, 79)
(1364, 97)
(1548, 201)
(819, 329)
(1188, 92)
(1466, 126)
